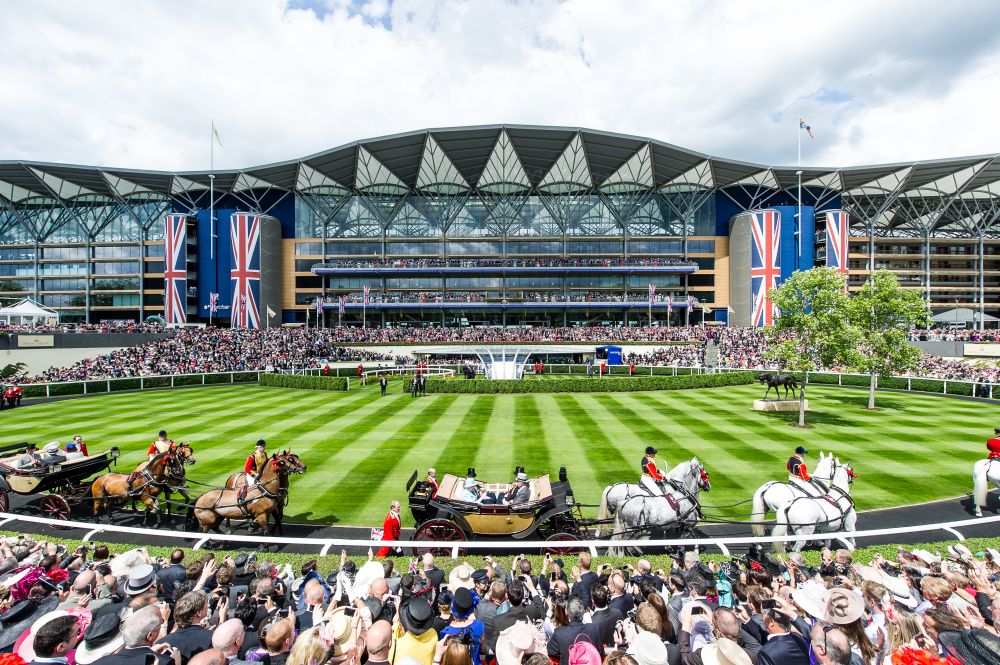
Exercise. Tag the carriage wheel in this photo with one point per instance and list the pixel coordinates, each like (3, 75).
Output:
(439, 530)
(556, 549)
(4, 501)
(55, 507)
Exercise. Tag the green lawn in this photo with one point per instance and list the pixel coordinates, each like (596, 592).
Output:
(361, 448)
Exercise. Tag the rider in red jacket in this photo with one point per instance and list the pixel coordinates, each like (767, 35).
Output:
(993, 445)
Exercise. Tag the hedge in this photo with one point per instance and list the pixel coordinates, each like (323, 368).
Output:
(303, 382)
(594, 385)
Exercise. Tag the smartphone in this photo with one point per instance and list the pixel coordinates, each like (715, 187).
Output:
(768, 604)
(89, 590)
(697, 609)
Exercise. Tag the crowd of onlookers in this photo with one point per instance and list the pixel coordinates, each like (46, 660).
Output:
(89, 607)
(107, 327)
(526, 262)
(196, 350)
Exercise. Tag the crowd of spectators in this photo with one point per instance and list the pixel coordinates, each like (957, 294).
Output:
(681, 355)
(526, 262)
(88, 607)
(106, 327)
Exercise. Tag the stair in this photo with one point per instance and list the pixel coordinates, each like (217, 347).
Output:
(711, 354)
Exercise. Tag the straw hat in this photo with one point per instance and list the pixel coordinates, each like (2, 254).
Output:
(809, 596)
(123, 564)
(841, 606)
(898, 589)
(461, 577)
(724, 652)
(518, 640)
(648, 649)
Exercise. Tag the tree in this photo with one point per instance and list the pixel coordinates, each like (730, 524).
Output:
(813, 330)
(883, 315)
(12, 370)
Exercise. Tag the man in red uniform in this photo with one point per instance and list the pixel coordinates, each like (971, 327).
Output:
(993, 445)
(796, 465)
(631, 369)
(651, 476)
(18, 391)
(361, 370)
(161, 445)
(255, 462)
(390, 530)
(432, 481)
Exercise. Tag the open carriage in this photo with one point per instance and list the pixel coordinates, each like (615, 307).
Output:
(551, 514)
(61, 484)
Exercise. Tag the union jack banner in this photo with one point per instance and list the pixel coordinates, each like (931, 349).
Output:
(765, 266)
(213, 302)
(367, 298)
(244, 235)
(652, 292)
(692, 301)
(175, 269)
(838, 223)
(319, 305)
(670, 303)
(342, 308)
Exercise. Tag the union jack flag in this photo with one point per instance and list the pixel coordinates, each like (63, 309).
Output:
(244, 234)
(175, 269)
(652, 292)
(367, 298)
(319, 305)
(670, 303)
(692, 301)
(213, 302)
(837, 224)
(765, 266)
(342, 308)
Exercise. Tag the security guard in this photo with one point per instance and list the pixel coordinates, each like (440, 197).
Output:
(255, 462)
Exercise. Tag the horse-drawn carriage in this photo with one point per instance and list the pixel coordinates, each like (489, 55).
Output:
(61, 484)
(551, 513)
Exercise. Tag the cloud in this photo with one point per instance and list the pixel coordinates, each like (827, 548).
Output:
(135, 84)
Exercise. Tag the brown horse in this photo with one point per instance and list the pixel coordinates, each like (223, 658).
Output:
(258, 502)
(185, 452)
(147, 485)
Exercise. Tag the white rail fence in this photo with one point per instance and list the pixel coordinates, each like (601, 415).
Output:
(326, 544)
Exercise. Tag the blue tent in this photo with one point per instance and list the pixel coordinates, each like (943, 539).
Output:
(612, 353)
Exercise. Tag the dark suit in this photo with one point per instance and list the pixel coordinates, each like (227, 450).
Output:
(605, 621)
(382, 384)
(787, 649)
(582, 588)
(190, 641)
(749, 645)
(170, 578)
(564, 636)
(133, 656)
(622, 603)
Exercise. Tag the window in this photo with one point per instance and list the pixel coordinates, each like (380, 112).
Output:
(63, 284)
(154, 250)
(655, 247)
(534, 247)
(458, 247)
(355, 249)
(308, 248)
(305, 265)
(64, 252)
(413, 248)
(593, 247)
(427, 283)
(116, 268)
(117, 252)
(18, 254)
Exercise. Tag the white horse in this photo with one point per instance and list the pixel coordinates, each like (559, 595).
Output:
(615, 495)
(808, 515)
(984, 472)
(771, 496)
(642, 515)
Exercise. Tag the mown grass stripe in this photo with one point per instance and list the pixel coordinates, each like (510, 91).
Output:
(463, 445)
(531, 447)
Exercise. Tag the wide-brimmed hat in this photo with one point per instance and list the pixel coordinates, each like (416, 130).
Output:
(842, 606)
(899, 591)
(926, 556)
(51, 447)
(463, 604)
(417, 617)
(470, 483)
(461, 577)
(514, 642)
(102, 637)
(994, 555)
(809, 596)
(724, 652)
(960, 552)
(368, 573)
(521, 477)
(336, 630)
(140, 579)
(25, 646)
(971, 646)
(123, 564)
(648, 649)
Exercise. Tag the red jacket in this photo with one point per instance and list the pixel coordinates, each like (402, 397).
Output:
(390, 531)
(649, 467)
(993, 445)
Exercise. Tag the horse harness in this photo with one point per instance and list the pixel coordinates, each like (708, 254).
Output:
(833, 501)
(148, 479)
(281, 496)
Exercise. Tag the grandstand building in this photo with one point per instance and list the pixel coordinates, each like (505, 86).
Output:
(488, 225)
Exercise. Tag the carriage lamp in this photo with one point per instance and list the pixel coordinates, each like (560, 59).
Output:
(55, 468)
(115, 452)
(570, 501)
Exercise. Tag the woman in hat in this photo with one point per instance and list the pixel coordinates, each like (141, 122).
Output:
(464, 626)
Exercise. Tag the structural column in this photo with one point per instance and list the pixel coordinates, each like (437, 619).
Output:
(982, 289)
(927, 266)
(86, 285)
(142, 272)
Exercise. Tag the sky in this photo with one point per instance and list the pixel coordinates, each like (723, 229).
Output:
(137, 83)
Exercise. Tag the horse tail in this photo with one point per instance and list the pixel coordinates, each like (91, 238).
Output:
(781, 528)
(603, 512)
(980, 484)
(759, 513)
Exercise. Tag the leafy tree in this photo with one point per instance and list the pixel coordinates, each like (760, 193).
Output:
(12, 370)
(813, 330)
(883, 315)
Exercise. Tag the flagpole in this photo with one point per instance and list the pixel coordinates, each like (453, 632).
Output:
(211, 195)
(798, 173)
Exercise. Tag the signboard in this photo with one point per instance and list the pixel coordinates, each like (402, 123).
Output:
(35, 341)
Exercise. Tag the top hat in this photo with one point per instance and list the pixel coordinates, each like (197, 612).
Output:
(471, 473)
(417, 617)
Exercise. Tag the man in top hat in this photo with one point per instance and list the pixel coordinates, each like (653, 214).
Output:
(993, 444)
(30, 459)
(651, 476)
(161, 445)
(390, 529)
(255, 462)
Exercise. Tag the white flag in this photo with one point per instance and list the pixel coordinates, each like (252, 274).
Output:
(271, 312)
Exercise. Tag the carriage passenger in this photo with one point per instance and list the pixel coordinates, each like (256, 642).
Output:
(53, 454)
(76, 448)
(30, 459)
(471, 492)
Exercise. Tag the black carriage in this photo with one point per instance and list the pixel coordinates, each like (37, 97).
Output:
(61, 484)
(551, 514)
